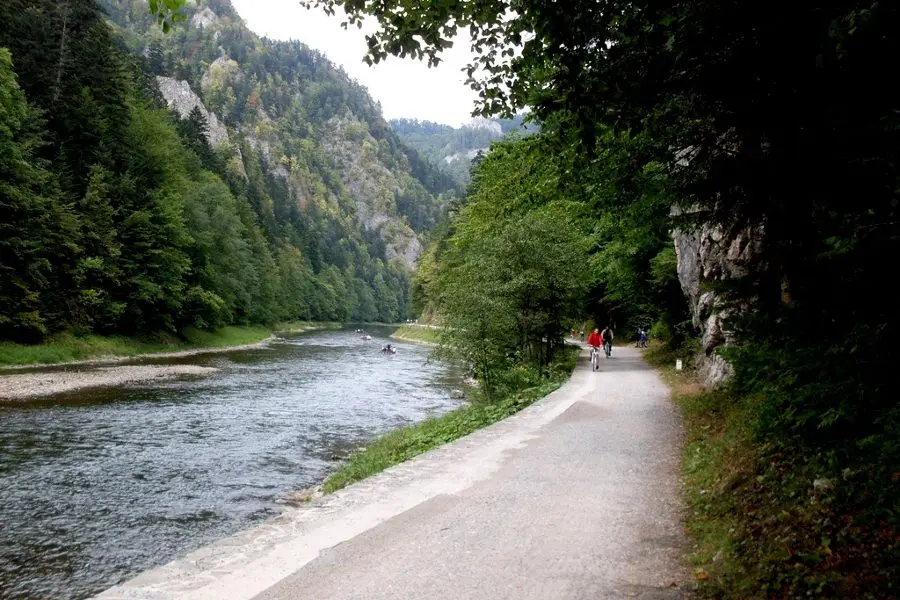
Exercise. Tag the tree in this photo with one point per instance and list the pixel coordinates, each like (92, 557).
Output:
(34, 227)
(97, 270)
(512, 272)
(156, 60)
(221, 257)
(194, 130)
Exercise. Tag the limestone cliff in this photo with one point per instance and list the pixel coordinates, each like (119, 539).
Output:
(181, 98)
(707, 256)
(354, 155)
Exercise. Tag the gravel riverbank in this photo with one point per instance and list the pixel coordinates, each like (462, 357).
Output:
(29, 385)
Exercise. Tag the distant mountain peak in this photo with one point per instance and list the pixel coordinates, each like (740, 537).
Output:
(454, 148)
(483, 123)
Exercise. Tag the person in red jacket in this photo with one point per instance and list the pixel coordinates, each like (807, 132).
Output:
(595, 340)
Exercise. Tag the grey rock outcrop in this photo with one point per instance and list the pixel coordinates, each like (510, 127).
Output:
(180, 97)
(203, 18)
(372, 187)
(707, 256)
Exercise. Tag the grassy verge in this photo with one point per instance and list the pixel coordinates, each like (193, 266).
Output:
(69, 347)
(767, 522)
(718, 454)
(416, 333)
(402, 444)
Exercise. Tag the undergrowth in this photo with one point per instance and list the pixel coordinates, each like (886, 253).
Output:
(770, 519)
(523, 387)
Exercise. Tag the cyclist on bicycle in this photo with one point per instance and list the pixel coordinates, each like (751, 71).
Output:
(595, 340)
(607, 339)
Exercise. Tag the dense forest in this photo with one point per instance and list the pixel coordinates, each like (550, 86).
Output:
(763, 138)
(280, 194)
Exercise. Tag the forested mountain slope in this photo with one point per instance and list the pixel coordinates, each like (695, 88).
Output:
(454, 148)
(201, 177)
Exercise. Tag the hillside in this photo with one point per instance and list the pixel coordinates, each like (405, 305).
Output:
(201, 177)
(454, 148)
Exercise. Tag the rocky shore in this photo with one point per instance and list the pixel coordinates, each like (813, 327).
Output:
(20, 386)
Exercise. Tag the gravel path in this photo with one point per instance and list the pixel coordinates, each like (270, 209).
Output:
(30, 385)
(575, 497)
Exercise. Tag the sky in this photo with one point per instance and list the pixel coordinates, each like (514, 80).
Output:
(405, 87)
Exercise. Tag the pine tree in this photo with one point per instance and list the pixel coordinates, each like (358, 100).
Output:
(194, 130)
(97, 270)
(156, 60)
(34, 226)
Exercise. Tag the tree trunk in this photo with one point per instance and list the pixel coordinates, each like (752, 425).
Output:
(63, 50)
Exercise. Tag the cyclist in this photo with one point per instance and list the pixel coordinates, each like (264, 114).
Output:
(595, 340)
(607, 339)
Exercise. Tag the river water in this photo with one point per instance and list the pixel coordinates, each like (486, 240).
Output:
(99, 485)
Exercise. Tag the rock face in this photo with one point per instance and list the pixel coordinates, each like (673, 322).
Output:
(203, 18)
(468, 155)
(180, 97)
(482, 123)
(706, 256)
(371, 185)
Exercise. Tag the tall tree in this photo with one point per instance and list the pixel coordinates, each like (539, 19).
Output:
(35, 227)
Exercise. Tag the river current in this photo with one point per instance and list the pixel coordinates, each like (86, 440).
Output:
(99, 485)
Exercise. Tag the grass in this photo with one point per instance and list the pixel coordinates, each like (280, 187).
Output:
(718, 456)
(761, 526)
(402, 444)
(417, 333)
(68, 346)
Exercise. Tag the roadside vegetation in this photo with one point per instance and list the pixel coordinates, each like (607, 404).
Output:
(765, 518)
(522, 387)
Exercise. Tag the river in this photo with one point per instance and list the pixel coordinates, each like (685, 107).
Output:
(99, 485)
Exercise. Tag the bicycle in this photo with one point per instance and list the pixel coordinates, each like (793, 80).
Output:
(595, 359)
(607, 348)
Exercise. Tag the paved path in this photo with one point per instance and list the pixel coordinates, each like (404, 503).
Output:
(575, 497)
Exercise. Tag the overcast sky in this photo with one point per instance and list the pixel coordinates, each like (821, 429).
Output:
(405, 88)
